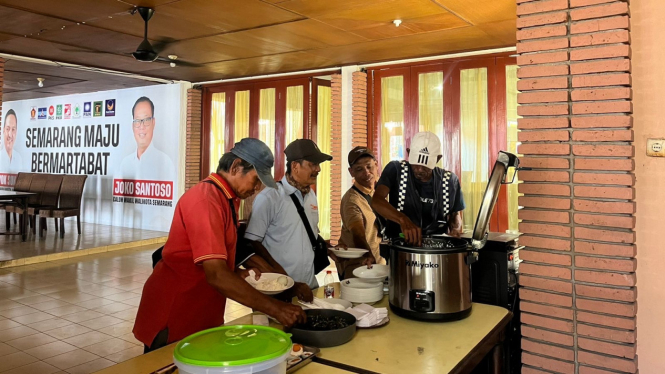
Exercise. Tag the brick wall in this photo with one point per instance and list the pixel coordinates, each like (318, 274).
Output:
(578, 275)
(359, 97)
(336, 163)
(193, 150)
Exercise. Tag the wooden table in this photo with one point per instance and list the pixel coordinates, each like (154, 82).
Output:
(21, 198)
(402, 346)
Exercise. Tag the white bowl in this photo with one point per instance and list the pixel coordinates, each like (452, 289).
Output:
(349, 252)
(378, 273)
(269, 277)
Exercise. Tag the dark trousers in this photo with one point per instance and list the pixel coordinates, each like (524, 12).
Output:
(161, 340)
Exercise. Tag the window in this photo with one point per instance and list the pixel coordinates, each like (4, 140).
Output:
(276, 112)
(511, 120)
(475, 142)
(392, 118)
(217, 125)
(464, 102)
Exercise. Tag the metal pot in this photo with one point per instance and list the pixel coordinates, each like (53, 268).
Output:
(328, 338)
(433, 282)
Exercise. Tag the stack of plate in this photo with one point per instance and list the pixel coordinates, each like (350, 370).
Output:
(357, 291)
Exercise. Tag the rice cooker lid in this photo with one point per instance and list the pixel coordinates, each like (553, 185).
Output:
(499, 171)
(233, 346)
(442, 245)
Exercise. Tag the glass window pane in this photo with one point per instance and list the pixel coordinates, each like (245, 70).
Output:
(430, 103)
(294, 114)
(217, 122)
(511, 120)
(392, 119)
(241, 126)
(267, 117)
(475, 141)
(323, 136)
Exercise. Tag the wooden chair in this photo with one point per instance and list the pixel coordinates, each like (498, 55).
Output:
(37, 185)
(71, 193)
(49, 201)
(22, 184)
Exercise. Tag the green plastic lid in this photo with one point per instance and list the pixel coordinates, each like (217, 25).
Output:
(233, 346)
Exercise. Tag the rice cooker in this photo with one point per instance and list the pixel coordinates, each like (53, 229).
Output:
(433, 282)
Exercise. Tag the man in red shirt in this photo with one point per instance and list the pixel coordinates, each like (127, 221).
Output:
(188, 287)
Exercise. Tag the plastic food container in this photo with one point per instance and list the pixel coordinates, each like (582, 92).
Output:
(241, 349)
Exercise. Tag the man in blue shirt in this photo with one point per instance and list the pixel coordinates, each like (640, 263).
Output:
(275, 227)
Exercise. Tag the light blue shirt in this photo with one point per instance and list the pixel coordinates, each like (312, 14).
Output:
(275, 223)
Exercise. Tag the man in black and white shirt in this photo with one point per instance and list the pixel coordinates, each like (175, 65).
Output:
(423, 198)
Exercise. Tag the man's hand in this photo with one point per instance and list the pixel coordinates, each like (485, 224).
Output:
(412, 233)
(331, 254)
(303, 292)
(244, 273)
(455, 225)
(368, 260)
(288, 314)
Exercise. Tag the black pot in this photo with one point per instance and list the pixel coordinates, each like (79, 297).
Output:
(329, 338)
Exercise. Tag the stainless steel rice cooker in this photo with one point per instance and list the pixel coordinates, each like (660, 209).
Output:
(433, 282)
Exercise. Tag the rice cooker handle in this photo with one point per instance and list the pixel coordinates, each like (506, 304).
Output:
(471, 257)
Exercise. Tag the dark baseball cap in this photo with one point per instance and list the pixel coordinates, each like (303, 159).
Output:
(305, 149)
(259, 155)
(359, 152)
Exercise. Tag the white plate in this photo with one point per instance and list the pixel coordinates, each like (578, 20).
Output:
(376, 274)
(268, 277)
(344, 303)
(349, 252)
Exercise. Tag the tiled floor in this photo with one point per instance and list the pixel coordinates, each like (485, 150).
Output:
(74, 315)
(92, 236)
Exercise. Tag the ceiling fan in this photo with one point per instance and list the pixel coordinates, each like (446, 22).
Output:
(146, 52)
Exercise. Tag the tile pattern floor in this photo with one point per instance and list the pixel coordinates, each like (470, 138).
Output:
(75, 315)
(92, 236)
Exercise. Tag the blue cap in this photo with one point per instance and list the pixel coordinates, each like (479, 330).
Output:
(259, 155)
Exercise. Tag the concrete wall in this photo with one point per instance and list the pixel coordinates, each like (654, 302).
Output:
(648, 38)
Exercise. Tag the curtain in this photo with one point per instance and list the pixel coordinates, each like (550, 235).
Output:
(430, 103)
(267, 117)
(294, 115)
(475, 142)
(392, 119)
(323, 135)
(511, 120)
(241, 126)
(217, 122)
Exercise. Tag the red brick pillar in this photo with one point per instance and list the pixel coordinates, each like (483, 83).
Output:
(193, 149)
(359, 120)
(578, 275)
(337, 162)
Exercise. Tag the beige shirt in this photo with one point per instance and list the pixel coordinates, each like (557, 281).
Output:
(355, 208)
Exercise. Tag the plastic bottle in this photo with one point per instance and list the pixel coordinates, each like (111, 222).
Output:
(329, 290)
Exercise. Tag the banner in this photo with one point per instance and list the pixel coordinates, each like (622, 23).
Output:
(126, 141)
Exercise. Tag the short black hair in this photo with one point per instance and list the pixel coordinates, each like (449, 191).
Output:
(144, 99)
(227, 160)
(288, 165)
(11, 112)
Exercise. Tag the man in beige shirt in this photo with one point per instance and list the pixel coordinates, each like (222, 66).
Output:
(360, 228)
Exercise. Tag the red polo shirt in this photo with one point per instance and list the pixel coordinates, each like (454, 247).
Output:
(177, 295)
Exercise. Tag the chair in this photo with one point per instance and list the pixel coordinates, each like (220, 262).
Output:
(71, 193)
(37, 185)
(22, 184)
(49, 201)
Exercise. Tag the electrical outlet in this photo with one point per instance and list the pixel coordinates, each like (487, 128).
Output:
(656, 147)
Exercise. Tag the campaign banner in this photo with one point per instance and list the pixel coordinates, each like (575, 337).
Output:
(125, 141)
